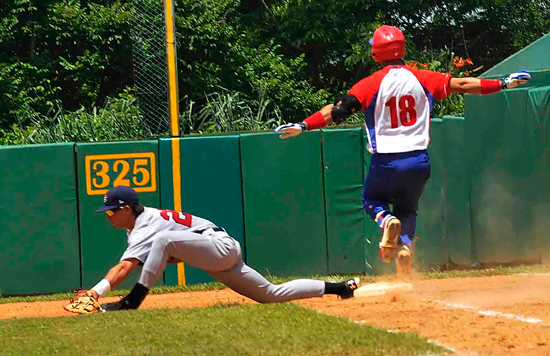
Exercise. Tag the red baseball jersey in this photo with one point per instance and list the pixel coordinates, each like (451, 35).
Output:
(397, 102)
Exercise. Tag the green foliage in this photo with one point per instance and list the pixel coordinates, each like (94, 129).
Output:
(228, 112)
(453, 104)
(61, 53)
(90, 49)
(118, 118)
(284, 58)
(217, 50)
(25, 91)
(333, 36)
(121, 118)
(487, 31)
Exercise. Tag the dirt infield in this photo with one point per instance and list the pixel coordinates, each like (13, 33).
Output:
(500, 315)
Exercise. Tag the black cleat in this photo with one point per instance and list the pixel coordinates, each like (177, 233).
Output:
(122, 304)
(351, 286)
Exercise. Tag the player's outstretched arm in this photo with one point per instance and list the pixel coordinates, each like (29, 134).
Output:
(117, 274)
(318, 120)
(488, 86)
(86, 301)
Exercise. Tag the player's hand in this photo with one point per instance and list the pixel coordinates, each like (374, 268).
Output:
(84, 292)
(515, 79)
(290, 130)
(85, 302)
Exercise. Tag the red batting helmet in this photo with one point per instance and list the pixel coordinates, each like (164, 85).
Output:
(388, 43)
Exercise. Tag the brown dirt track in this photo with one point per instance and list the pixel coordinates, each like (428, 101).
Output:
(444, 310)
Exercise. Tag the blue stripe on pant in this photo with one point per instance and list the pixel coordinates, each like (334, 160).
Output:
(397, 179)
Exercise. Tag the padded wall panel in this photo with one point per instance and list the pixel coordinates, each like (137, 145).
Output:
(430, 249)
(538, 126)
(210, 188)
(102, 166)
(503, 142)
(39, 242)
(284, 204)
(343, 176)
(457, 215)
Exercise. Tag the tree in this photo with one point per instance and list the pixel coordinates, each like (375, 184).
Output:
(284, 57)
(61, 53)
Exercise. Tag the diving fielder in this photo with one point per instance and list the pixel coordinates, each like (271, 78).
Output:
(159, 237)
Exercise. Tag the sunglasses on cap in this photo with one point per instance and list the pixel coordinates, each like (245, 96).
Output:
(112, 212)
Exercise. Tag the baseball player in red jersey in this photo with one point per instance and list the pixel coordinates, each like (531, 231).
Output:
(160, 237)
(397, 101)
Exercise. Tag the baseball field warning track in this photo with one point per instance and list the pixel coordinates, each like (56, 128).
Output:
(498, 315)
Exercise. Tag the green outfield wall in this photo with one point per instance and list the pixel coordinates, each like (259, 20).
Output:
(211, 187)
(343, 174)
(284, 210)
(294, 205)
(508, 150)
(39, 239)
(102, 166)
(457, 228)
(430, 250)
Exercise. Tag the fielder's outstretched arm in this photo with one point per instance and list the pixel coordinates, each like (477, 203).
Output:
(115, 276)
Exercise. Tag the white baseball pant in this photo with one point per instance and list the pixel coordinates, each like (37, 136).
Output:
(220, 256)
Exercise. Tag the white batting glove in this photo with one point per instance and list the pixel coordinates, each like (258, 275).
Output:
(515, 79)
(290, 130)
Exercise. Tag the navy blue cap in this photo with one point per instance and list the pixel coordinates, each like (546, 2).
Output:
(118, 197)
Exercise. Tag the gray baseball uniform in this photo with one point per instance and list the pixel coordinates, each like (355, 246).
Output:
(162, 236)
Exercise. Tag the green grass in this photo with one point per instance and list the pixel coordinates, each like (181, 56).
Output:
(272, 329)
(497, 271)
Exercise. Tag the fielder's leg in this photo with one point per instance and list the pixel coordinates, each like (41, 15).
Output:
(209, 250)
(215, 251)
(248, 282)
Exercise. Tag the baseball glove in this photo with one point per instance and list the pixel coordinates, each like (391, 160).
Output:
(83, 303)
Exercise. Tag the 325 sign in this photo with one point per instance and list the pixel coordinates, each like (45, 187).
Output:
(136, 170)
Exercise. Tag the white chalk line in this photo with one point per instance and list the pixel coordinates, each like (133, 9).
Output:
(480, 311)
(364, 322)
(486, 312)
(448, 348)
